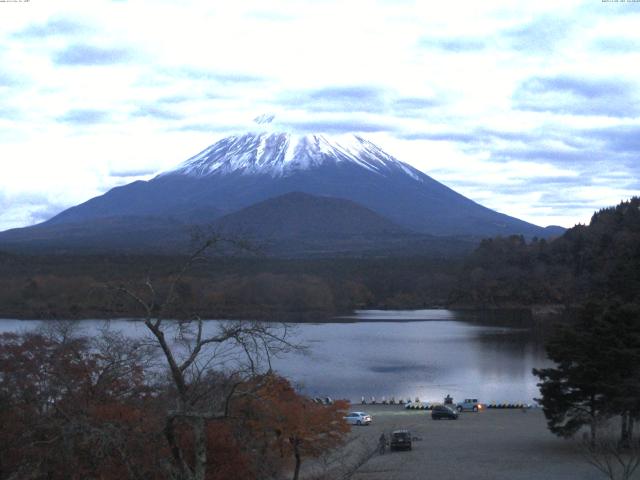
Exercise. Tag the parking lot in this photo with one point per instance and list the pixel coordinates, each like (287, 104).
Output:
(491, 444)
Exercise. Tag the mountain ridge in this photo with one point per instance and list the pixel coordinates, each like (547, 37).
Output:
(239, 171)
(298, 214)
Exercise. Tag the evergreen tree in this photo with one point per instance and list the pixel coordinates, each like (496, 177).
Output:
(572, 391)
(597, 372)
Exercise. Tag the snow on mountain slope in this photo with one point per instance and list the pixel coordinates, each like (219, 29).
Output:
(282, 154)
(245, 169)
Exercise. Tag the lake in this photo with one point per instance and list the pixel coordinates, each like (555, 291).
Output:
(402, 354)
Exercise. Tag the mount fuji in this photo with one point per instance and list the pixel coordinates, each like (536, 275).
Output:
(244, 170)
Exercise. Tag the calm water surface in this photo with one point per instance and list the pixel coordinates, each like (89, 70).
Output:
(424, 353)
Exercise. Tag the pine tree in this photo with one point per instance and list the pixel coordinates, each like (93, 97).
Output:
(597, 372)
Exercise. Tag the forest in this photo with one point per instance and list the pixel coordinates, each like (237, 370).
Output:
(600, 258)
(69, 286)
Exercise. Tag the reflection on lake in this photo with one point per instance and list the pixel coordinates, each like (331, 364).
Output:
(425, 353)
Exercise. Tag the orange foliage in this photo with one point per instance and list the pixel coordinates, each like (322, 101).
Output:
(291, 425)
(71, 411)
(67, 414)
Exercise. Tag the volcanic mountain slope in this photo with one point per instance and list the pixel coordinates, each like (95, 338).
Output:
(239, 171)
(300, 215)
(298, 224)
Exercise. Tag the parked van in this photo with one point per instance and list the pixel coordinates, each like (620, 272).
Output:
(469, 405)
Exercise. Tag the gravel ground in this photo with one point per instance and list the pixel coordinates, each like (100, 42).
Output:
(491, 445)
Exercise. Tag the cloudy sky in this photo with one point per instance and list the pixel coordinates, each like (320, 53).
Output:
(531, 108)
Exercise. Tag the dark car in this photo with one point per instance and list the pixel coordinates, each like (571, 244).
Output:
(400, 439)
(441, 411)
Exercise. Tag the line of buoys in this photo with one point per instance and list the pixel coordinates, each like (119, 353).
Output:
(418, 405)
(383, 401)
(391, 401)
(509, 405)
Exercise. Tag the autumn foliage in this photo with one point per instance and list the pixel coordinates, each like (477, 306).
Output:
(77, 408)
(74, 412)
(288, 426)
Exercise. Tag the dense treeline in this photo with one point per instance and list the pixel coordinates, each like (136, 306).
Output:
(595, 377)
(601, 259)
(68, 286)
(509, 271)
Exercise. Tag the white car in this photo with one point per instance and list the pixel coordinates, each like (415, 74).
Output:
(469, 405)
(358, 418)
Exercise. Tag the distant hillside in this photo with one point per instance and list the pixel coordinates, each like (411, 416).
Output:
(301, 215)
(292, 225)
(299, 224)
(126, 234)
(588, 262)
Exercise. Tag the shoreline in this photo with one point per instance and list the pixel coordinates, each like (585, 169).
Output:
(537, 312)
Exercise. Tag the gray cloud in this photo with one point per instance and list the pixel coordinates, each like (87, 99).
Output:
(54, 27)
(613, 8)
(173, 99)
(196, 127)
(9, 113)
(541, 35)
(561, 181)
(208, 128)
(45, 211)
(560, 199)
(131, 173)
(460, 137)
(334, 126)
(617, 45)
(356, 98)
(338, 126)
(549, 154)
(27, 209)
(624, 139)
(453, 45)
(81, 54)
(577, 96)
(224, 78)
(522, 137)
(156, 112)
(7, 79)
(479, 136)
(563, 199)
(84, 117)
(414, 106)
(530, 184)
(415, 103)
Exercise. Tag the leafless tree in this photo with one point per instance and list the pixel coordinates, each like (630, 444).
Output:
(193, 351)
(613, 459)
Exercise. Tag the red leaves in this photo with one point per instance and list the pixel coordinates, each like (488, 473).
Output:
(63, 414)
(75, 408)
(288, 421)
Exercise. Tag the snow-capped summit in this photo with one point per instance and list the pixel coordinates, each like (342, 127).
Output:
(282, 154)
(265, 163)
